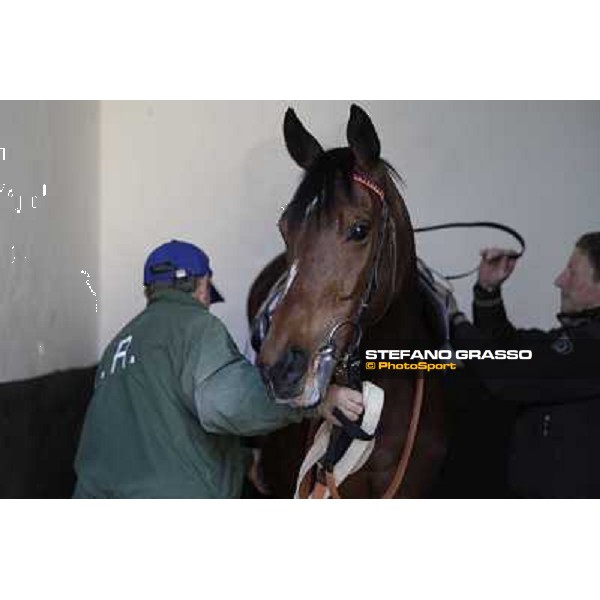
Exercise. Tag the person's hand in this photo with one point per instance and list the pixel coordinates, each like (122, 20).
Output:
(349, 401)
(495, 267)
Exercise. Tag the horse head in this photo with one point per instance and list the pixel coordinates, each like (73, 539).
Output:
(349, 249)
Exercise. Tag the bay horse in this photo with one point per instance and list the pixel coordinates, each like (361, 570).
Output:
(350, 270)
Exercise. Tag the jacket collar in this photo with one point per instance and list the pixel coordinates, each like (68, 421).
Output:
(175, 296)
(577, 319)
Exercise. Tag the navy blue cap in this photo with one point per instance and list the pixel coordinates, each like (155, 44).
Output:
(177, 260)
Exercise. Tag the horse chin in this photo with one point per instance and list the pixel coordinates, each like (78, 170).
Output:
(310, 397)
(311, 389)
(291, 397)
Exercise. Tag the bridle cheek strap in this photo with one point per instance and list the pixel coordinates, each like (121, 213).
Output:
(346, 359)
(373, 283)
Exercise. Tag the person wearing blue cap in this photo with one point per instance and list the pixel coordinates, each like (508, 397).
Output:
(173, 395)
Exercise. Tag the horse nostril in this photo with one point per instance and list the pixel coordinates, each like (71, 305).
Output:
(288, 371)
(296, 360)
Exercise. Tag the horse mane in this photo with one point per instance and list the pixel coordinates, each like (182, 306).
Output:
(316, 190)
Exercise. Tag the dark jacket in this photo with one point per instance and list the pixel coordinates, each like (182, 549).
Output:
(555, 449)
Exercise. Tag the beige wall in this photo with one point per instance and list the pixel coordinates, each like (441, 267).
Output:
(123, 177)
(47, 312)
(217, 173)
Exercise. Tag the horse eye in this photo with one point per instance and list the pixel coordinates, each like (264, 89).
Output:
(358, 232)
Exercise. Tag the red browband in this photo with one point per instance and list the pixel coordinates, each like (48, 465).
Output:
(363, 180)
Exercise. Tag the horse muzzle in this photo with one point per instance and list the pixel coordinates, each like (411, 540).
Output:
(285, 378)
(296, 387)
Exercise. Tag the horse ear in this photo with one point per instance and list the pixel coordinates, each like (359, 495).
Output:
(301, 145)
(362, 138)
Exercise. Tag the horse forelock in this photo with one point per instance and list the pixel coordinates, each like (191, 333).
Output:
(316, 192)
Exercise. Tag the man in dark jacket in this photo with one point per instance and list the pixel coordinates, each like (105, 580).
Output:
(556, 443)
(173, 395)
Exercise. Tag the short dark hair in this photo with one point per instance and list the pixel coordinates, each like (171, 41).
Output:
(590, 244)
(188, 285)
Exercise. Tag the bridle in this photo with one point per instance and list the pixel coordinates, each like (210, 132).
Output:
(347, 365)
(346, 369)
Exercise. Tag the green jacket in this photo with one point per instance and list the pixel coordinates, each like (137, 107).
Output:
(173, 394)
